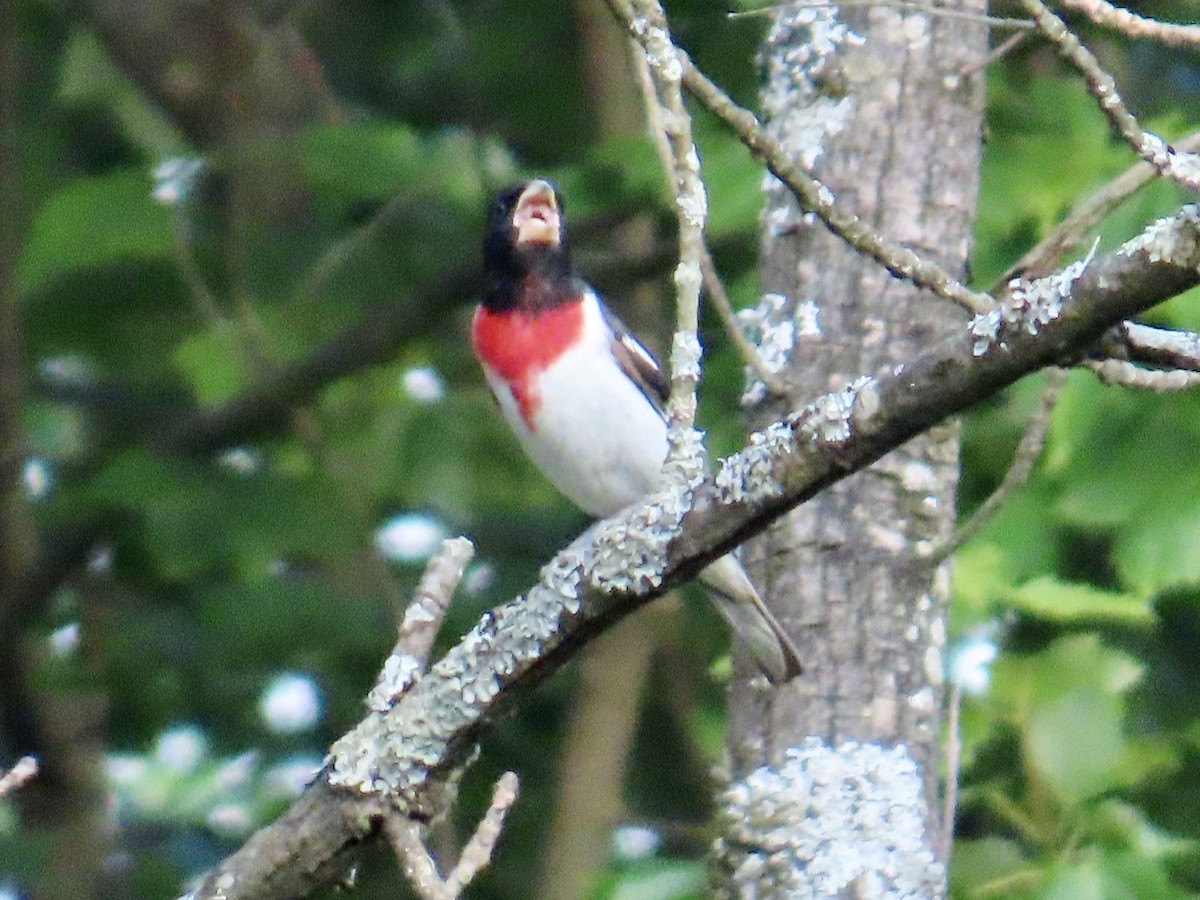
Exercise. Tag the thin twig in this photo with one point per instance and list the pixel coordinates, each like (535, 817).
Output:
(1182, 168)
(1001, 50)
(1126, 374)
(418, 627)
(478, 852)
(1160, 348)
(422, 618)
(1132, 25)
(923, 8)
(647, 25)
(407, 840)
(25, 769)
(713, 286)
(1028, 450)
(819, 199)
(723, 306)
(953, 761)
(1071, 231)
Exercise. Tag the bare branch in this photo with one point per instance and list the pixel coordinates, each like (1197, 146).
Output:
(1127, 374)
(1104, 13)
(478, 852)
(713, 286)
(1183, 168)
(819, 199)
(927, 9)
(1161, 348)
(1071, 231)
(416, 861)
(647, 24)
(953, 761)
(25, 769)
(1026, 456)
(396, 761)
(406, 838)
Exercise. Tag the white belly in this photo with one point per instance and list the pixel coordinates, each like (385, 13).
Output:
(595, 436)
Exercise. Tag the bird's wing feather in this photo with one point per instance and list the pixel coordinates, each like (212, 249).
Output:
(638, 363)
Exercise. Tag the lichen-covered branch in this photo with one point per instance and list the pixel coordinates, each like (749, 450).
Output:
(713, 286)
(818, 199)
(1128, 23)
(1183, 168)
(406, 752)
(24, 770)
(1161, 348)
(1126, 374)
(647, 24)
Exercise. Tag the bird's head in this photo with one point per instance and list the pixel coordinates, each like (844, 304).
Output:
(526, 232)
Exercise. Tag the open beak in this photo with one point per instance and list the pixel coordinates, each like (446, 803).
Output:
(536, 218)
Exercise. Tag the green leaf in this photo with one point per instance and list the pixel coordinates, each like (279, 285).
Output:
(1075, 742)
(363, 159)
(93, 221)
(1123, 877)
(1068, 703)
(212, 360)
(659, 880)
(975, 865)
(1160, 550)
(1071, 602)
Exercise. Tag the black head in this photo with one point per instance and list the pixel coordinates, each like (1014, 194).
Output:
(526, 234)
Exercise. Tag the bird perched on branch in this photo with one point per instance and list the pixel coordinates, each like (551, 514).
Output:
(584, 397)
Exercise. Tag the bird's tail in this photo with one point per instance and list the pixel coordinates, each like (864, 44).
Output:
(738, 602)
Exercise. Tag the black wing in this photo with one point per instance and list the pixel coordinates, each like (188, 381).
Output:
(638, 363)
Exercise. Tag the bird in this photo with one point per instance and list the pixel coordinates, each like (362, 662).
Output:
(584, 397)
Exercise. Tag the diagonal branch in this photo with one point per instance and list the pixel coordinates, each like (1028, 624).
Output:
(24, 771)
(1161, 348)
(1183, 168)
(1068, 234)
(818, 199)
(399, 757)
(1128, 23)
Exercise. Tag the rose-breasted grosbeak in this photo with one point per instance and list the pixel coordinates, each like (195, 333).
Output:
(583, 396)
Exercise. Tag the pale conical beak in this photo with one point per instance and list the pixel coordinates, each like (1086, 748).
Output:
(536, 218)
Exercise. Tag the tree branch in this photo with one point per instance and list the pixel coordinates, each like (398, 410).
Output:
(1104, 13)
(399, 757)
(1068, 234)
(1183, 168)
(817, 198)
(25, 769)
(1162, 348)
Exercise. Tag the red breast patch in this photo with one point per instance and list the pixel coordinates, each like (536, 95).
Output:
(518, 346)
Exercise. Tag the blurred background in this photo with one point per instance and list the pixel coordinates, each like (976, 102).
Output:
(239, 253)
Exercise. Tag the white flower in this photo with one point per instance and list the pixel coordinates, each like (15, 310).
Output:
(290, 703)
(410, 537)
(181, 749)
(424, 384)
(969, 664)
(175, 178)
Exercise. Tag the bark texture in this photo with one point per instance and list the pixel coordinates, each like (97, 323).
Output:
(888, 114)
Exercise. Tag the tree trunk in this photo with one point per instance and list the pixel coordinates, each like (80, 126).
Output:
(886, 109)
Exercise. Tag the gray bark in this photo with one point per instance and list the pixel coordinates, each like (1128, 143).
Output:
(892, 125)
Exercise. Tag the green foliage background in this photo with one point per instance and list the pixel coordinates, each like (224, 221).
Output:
(218, 571)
